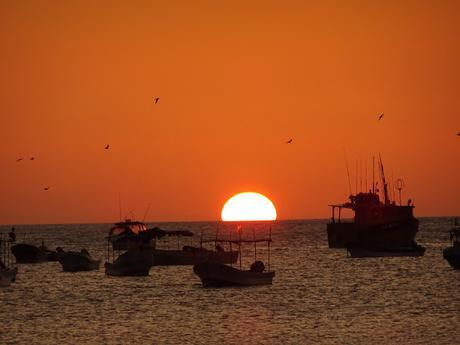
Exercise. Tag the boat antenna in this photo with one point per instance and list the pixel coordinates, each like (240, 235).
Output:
(356, 178)
(367, 162)
(146, 212)
(119, 206)
(360, 174)
(348, 172)
(399, 187)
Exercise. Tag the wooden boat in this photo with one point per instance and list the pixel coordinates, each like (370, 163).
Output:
(452, 254)
(78, 261)
(213, 274)
(191, 256)
(136, 261)
(218, 275)
(357, 252)
(28, 254)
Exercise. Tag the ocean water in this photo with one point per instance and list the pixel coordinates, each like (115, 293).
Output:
(318, 296)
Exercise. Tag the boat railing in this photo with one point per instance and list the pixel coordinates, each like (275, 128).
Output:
(5, 250)
(239, 241)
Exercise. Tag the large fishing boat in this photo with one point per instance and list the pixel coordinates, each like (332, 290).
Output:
(378, 226)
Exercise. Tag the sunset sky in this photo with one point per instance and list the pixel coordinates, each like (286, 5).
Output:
(236, 80)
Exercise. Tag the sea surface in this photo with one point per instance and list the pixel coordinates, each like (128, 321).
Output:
(318, 296)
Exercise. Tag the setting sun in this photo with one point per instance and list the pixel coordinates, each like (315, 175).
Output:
(248, 206)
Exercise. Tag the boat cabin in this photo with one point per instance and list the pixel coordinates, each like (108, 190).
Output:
(127, 227)
(370, 210)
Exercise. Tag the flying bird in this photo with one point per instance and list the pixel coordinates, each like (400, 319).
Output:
(46, 188)
(458, 133)
(156, 99)
(289, 141)
(32, 158)
(380, 117)
(107, 147)
(19, 159)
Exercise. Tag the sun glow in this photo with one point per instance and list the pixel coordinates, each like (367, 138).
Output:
(248, 206)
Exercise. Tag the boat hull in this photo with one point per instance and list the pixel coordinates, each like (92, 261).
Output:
(135, 262)
(394, 234)
(219, 275)
(27, 253)
(192, 257)
(356, 252)
(452, 256)
(76, 262)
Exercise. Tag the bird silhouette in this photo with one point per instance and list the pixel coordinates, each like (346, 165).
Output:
(46, 188)
(380, 117)
(289, 141)
(156, 99)
(32, 158)
(19, 159)
(458, 133)
(107, 147)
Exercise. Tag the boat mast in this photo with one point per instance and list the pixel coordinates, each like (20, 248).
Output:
(385, 186)
(373, 175)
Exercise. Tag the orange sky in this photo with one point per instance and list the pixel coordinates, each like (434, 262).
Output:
(236, 80)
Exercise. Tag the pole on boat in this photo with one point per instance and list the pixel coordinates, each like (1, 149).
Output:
(239, 229)
(231, 251)
(201, 239)
(269, 242)
(255, 244)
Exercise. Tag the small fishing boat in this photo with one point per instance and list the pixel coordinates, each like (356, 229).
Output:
(136, 261)
(27, 253)
(78, 261)
(192, 255)
(213, 274)
(374, 252)
(452, 253)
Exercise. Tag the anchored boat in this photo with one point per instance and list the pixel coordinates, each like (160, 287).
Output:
(379, 228)
(78, 261)
(213, 274)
